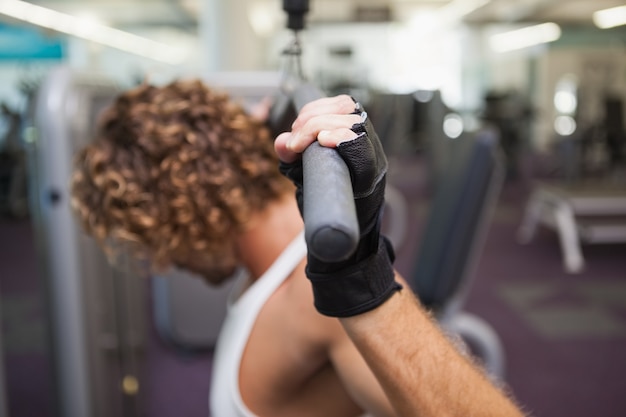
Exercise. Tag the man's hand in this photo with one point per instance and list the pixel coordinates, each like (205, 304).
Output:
(328, 120)
(366, 279)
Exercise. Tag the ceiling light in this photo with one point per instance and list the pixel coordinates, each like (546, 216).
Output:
(525, 37)
(565, 125)
(262, 18)
(609, 18)
(453, 125)
(91, 31)
(440, 18)
(457, 9)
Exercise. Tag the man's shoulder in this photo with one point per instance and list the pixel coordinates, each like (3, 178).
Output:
(293, 302)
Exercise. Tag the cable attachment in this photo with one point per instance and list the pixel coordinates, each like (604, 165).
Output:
(292, 63)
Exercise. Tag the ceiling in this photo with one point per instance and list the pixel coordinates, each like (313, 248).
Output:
(183, 14)
(576, 12)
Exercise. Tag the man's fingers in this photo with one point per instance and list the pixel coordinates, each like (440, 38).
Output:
(280, 146)
(332, 138)
(303, 137)
(328, 120)
(328, 138)
(342, 104)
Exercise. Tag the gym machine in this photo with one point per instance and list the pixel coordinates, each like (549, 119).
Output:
(96, 312)
(331, 227)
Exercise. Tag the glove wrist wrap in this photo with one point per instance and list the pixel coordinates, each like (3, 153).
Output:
(357, 288)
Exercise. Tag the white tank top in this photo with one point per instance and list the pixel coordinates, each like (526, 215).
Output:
(225, 398)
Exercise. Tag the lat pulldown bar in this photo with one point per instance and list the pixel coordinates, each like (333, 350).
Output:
(331, 228)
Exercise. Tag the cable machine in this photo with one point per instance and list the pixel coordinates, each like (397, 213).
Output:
(95, 311)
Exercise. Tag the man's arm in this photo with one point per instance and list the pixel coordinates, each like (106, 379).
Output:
(421, 371)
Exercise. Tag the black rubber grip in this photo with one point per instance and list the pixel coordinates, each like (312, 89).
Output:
(331, 228)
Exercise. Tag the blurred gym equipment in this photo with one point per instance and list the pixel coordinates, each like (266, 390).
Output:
(96, 312)
(453, 240)
(587, 203)
(593, 212)
(13, 181)
(4, 406)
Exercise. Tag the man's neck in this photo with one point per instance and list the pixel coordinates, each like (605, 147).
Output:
(270, 233)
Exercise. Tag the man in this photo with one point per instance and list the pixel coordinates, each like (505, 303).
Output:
(183, 176)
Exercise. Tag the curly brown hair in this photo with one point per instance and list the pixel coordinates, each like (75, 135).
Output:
(176, 171)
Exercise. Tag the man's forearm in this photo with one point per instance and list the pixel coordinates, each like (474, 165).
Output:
(420, 370)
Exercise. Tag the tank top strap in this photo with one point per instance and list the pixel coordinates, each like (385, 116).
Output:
(271, 279)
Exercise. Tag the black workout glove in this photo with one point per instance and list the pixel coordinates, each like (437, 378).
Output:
(366, 279)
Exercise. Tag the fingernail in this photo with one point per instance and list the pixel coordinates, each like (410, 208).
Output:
(323, 134)
(292, 141)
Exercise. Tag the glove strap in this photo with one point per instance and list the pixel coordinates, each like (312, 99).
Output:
(357, 288)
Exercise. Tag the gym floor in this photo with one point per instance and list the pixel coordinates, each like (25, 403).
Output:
(564, 334)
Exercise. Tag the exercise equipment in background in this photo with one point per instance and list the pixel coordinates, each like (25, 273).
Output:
(453, 239)
(96, 312)
(4, 405)
(330, 222)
